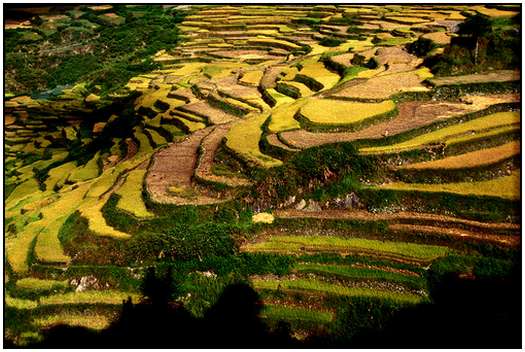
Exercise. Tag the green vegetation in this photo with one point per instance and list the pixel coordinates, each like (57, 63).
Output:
(325, 165)
(322, 287)
(112, 53)
(507, 187)
(275, 312)
(477, 128)
(300, 244)
(363, 273)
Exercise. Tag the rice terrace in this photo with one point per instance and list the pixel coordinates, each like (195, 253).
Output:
(270, 175)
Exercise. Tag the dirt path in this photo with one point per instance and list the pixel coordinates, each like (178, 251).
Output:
(169, 177)
(402, 215)
(274, 141)
(209, 146)
(412, 115)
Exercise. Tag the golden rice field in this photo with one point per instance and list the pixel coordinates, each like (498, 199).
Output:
(507, 187)
(131, 194)
(315, 243)
(476, 158)
(340, 112)
(228, 128)
(486, 125)
(243, 139)
(325, 288)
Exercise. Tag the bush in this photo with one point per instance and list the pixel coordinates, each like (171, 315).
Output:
(330, 42)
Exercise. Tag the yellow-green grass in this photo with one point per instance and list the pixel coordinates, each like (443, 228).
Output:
(507, 187)
(23, 190)
(104, 182)
(279, 98)
(320, 74)
(144, 144)
(239, 104)
(287, 313)
(20, 303)
(490, 77)
(243, 138)
(86, 172)
(338, 112)
(480, 127)
(151, 96)
(89, 297)
(185, 69)
(156, 137)
(69, 133)
(301, 244)
(27, 171)
(282, 117)
(471, 159)
(321, 287)
(154, 122)
(192, 126)
(138, 83)
(131, 194)
(300, 88)
(85, 319)
(494, 12)
(407, 19)
(350, 272)
(18, 248)
(274, 43)
(38, 285)
(252, 78)
(215, 71)
(48, 248)
(58, 175)
(91, 210)
(370, 73)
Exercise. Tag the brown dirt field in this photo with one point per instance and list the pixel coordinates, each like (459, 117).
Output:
(214, 115)
(381, 87)
(270, 76)
(455, 232)
(411, 115)
(401, 215)
(231, 87)
(9, 120)
(173, 167)
(495, 76)
(343, 59)
(132, 149)
(273, 140)
(209, 146)
(395, 55)
(472, 159)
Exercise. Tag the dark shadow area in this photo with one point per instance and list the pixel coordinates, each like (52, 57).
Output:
(464, 313)
(481, 313)
(158, 322)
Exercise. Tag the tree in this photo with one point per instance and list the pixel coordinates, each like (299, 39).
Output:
(476, 27)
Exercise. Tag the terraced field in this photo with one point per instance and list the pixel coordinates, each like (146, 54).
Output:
(306, 149)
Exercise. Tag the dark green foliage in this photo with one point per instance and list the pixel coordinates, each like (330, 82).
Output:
(331, 42)
(350, 320)
(421, 47)
(483, 44)
(111, 55)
